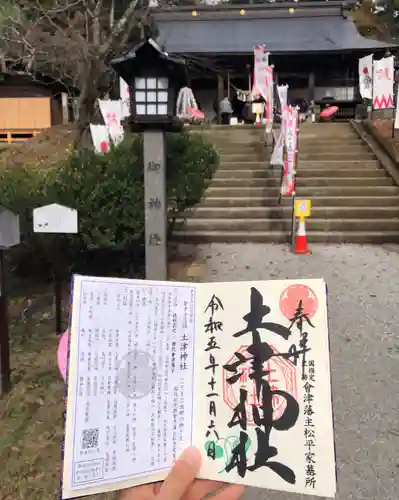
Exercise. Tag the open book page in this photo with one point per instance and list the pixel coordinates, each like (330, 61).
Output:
(130, 382)
(263, 413)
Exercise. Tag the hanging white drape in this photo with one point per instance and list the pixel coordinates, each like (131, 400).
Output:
(111, 112)
(100, 138)
(383, 80)
(277, 157)
(124, 94)
(366, 76)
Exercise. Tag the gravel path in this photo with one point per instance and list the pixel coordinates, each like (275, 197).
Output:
(363, 286)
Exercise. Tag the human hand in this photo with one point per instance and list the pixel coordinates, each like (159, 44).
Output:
(181, 484)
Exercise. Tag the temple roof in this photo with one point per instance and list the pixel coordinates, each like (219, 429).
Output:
(287, 28)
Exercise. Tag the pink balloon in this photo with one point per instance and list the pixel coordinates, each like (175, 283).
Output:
(62, 354)
(329, 111)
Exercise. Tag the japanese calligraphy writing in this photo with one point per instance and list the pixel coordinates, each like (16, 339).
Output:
(212, 327)
(260, 352)
(298, 320)
(309, 432)
(154, 166)
(154, 203)
(154, 239)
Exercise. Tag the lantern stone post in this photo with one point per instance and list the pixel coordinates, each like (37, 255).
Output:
(153, 78)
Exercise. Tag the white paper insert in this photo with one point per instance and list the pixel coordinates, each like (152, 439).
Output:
(130, 396)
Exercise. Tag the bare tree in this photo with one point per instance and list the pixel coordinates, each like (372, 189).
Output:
(70, 40)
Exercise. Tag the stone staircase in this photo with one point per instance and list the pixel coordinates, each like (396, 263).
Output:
(353, 197)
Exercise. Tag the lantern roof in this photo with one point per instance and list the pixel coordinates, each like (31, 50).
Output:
(144, 54)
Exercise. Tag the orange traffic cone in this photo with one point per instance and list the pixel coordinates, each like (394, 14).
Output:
(257, 122)
(301, 242)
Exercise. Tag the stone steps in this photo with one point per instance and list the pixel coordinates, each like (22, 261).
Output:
(324, 201)
(284, 224)
(284, 211)
(262, 164)
(307, 182)
(354, 199)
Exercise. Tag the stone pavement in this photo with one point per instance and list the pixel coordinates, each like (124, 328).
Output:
(363, 287)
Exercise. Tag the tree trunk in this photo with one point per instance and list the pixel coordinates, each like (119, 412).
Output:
(86, 104)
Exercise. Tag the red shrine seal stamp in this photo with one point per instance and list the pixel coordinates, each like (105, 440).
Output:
(290, 298)
(281, 377)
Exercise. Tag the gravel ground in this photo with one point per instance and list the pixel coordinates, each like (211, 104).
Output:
(363, 285)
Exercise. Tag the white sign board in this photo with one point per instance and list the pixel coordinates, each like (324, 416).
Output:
(55, 218)
(9, 229)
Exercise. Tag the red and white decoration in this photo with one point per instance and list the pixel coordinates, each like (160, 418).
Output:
(100, 137)
(263, 82)
(291, 119)
(261, 61)
(383, 81)
(366, 77)
(124, 94)
(111, 112)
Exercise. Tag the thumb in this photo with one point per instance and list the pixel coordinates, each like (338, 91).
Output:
(181, 476)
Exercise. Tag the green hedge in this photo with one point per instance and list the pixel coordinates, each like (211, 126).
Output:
(108, 192)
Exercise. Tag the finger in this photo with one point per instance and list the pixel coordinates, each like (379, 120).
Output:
(181, 476)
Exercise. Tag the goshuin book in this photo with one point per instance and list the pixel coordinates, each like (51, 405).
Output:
(240, 370)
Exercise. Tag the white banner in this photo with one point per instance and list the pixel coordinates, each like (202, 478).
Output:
(396, 125)
(277, 157)
(261, 61)
(100, 137)
(111, 112)
(124, 93)
(383, 79)
(117, 133)
(290, 115)
(269, 98)
(366, 76)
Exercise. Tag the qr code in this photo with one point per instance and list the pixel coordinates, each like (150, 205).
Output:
(90, 438)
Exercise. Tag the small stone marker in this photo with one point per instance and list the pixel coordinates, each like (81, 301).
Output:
(9, 237)
(56, 219)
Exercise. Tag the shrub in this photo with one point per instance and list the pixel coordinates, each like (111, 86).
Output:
(108, 192)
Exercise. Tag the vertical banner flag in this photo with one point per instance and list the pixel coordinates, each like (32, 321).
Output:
(111, 112)
(100, 137)
(383, 71)
(366, 76)
(269, 98)
(124, 95)
(261, 61)
(290, 115)
(396, 125)
(277, 157)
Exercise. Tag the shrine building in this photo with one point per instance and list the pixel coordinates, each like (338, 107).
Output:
(314, 47)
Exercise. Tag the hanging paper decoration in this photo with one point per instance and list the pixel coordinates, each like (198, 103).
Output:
(111, 112)
(366, 76)
(124, 93)
(383, 80)
(187, 107)
(100, 137)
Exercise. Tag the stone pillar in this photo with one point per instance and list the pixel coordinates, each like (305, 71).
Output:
(155, 208)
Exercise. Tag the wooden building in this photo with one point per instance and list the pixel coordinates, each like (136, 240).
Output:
(28, 106)
(314, 47)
